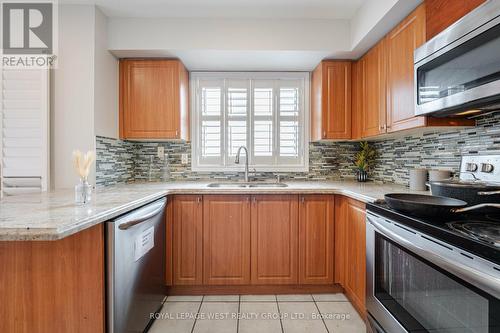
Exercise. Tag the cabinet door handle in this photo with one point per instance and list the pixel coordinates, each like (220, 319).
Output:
(324, 134)
(198, 200)
(302, 199)
(254, 200)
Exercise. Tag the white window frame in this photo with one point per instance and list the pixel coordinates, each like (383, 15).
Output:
(196, 77)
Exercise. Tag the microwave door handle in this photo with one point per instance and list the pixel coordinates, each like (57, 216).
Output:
(486, 282)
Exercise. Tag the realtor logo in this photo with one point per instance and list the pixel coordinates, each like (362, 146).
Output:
(29, 34)
(27, 28)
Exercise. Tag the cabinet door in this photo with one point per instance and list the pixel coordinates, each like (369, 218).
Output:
(187, 240)
(226, 239)
(355, 273)
(316, 242)
(274, 239)
(356, 100)
(401, 43)
(341, 216)
(337, 109)
(150, 101)
(442, 13)
(331, 101)
(374, 105)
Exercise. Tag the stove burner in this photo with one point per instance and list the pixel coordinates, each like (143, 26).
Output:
(485, 231)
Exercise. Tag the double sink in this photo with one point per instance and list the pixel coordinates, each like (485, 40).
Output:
(246, 185)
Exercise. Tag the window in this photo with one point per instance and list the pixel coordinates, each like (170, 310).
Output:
(266, 112)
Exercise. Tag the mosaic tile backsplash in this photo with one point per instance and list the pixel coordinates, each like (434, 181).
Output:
(122, 161)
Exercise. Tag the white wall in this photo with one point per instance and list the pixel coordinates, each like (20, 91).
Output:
(72, 114)
(256, 44)
(374, 20)
(84, 90)
(105, 82)
(229, 44)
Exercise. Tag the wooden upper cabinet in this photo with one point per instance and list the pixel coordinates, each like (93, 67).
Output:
(443, 13)
(274, 239)
(357, 100)
(187, 227)
(401, 43)
(316, 242)
(153, 99)
(226, 240)
(331, 101)
(374, 91)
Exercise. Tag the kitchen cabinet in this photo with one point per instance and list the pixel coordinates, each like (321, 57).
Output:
(350, 249)
(401, 43)
(316, 239)
(226, 239)
(153, 99)
(169, 248)
(383, 84)
(357, 100)
(331, 101)
(443, 13)
(274, 239)
(53, 286)
(187, 240)
(373, 66)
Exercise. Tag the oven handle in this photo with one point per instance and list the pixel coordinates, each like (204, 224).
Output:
(486, 282)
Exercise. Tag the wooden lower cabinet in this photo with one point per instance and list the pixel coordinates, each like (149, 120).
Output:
(316, 239)
(53, 286)
(226, 239)
(350, 249)
(274, 239)
(187, 240)
(265, 240)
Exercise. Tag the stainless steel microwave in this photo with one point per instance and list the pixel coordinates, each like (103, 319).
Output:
(458, 71)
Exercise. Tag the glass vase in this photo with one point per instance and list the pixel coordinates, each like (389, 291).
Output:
(362, 176)
(83, 192)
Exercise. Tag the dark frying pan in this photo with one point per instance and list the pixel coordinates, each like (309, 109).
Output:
(429, 205)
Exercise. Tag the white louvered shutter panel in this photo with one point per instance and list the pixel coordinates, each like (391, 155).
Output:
(290, 116)
(210, 115)
(263, 121)
(25, 131)
(237, 111)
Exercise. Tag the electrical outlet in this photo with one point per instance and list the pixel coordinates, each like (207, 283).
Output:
(161, 152)
(184, 158)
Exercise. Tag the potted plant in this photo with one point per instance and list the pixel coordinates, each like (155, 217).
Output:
(365, 159)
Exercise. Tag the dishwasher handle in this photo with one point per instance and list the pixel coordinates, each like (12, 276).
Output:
(143, 214)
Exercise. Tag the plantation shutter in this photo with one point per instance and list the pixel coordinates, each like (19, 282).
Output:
(211, 118)
(24, 128)
(266, 115)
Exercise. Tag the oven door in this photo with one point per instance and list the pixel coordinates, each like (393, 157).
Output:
(418, 284)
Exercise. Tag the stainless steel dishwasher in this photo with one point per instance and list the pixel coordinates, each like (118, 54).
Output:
(135, 268)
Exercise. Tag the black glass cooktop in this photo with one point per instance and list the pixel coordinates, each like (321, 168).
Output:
(477, 233)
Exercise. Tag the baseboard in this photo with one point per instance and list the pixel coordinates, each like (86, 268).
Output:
(254, 290)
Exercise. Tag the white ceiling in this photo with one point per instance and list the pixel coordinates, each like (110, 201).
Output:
(290, 9)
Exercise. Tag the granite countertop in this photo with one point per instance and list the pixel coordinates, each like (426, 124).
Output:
(54, 215)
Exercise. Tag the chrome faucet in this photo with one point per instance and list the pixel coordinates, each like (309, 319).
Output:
(237, 160)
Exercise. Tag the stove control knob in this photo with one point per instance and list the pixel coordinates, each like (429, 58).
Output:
(471, 167)
(487, 168)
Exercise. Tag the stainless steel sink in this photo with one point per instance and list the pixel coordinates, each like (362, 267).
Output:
(246, 185)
